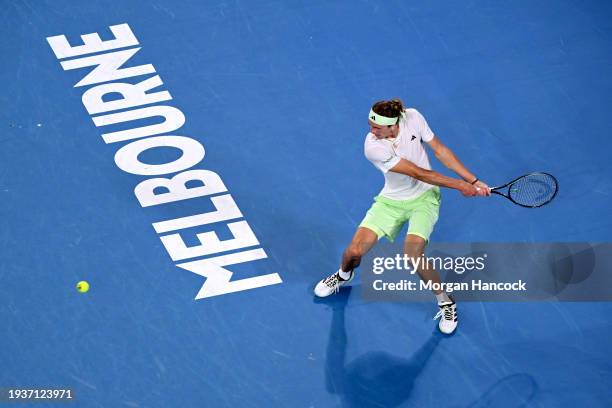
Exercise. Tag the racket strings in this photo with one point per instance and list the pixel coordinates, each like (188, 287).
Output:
(534, 190)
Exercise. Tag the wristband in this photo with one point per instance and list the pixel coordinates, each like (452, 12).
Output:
(474, 182)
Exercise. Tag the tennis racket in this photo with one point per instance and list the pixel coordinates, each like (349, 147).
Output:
(531, 190)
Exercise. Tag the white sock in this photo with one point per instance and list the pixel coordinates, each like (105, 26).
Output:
(344, 275)
(443, 298)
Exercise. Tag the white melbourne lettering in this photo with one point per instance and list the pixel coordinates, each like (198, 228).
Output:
(107, 69)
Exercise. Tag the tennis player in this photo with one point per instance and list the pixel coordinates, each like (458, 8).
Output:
(411, 194)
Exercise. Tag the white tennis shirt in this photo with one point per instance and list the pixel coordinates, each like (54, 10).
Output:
(386, 153)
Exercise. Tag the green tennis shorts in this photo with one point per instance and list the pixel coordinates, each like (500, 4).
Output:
(386, 217)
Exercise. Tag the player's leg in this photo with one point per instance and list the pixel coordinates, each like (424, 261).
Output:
(363, 240)
(423, 216)
(381, 220)
(414, 247)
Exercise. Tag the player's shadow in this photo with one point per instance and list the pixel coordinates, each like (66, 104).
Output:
(375, 379)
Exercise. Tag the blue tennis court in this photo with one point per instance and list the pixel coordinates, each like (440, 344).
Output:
(277, 93)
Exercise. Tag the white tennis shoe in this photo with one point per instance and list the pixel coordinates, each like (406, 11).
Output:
(448, 317)
(331, 284)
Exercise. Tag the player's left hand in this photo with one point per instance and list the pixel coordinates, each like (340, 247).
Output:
(483, 189)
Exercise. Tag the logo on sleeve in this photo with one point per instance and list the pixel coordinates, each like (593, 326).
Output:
(412, 138)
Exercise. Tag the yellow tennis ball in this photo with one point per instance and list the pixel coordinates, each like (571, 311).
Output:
(82, 286)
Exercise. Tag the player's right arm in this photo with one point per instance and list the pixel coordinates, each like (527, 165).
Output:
(408, 168)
